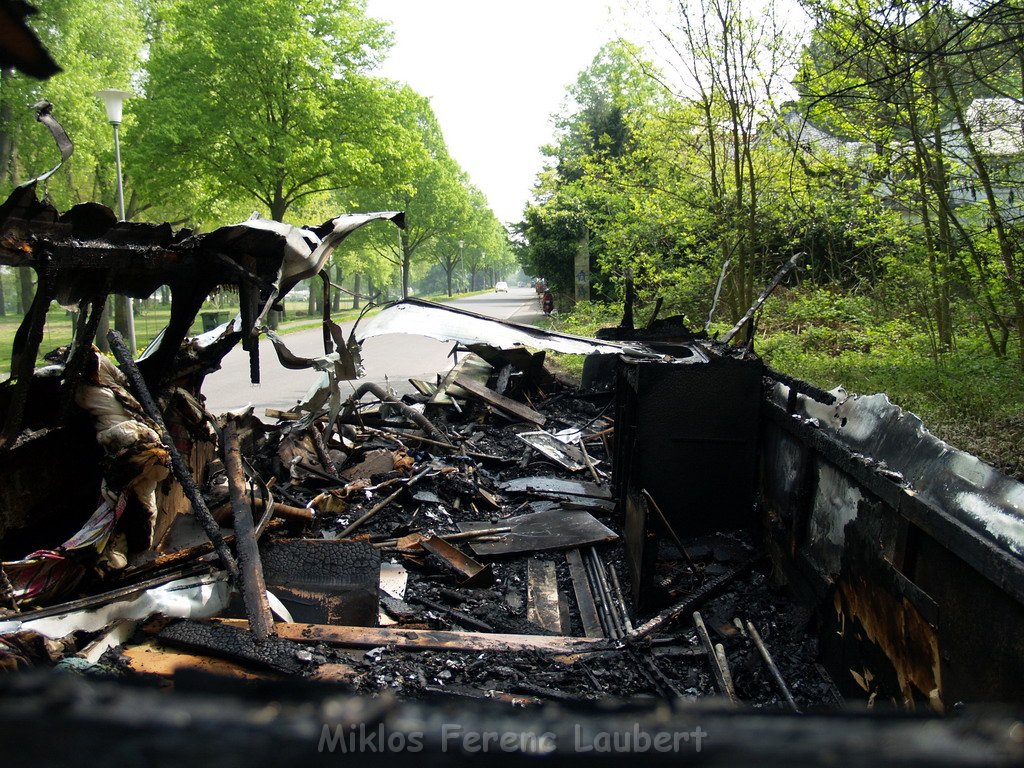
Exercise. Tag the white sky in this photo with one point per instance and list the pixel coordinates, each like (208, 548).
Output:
(495, 72)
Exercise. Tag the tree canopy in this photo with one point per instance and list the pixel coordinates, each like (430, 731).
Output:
(267, 104)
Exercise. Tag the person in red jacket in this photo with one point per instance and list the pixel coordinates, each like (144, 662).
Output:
(547, 303)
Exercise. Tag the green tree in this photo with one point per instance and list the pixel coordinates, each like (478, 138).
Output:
(903, 79)
(593, 131)
(264, 103)
(98, 45)
(421, 179)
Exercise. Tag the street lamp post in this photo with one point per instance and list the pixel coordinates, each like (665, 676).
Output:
(113, 100)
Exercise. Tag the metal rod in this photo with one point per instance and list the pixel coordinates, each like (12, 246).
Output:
(125, 301)
(769, 662)
(620, 625)
(603, 613)
(178, 466)
(619, 596)
(664, 521)
(718, 292)
(783, 271)
(603, 598)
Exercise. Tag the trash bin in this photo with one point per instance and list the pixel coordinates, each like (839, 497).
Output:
(212, 319)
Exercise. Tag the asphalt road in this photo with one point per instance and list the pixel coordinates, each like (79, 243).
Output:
(393, 358)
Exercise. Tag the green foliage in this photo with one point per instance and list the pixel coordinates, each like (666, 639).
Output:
(594, 130)
(264, 103)
(97, 44)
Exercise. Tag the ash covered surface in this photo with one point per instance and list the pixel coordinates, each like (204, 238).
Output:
(373, 478)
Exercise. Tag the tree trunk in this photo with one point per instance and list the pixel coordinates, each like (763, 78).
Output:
(6, 133)
(406, 263)
(278, 206)
(355, 291)
(339, 278)
(448, 274)
(165, 295)
(26, 291)
(3, 298)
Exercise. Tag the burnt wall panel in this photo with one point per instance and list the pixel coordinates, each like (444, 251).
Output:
(980, 627)
(782, 459)
(690, 432)
(914, 608)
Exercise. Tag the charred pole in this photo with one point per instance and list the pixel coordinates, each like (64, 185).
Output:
(253, 585)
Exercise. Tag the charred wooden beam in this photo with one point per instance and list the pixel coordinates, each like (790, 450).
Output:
(773, 668)
(89, 316)
(373, 511)
(504, 404)
(674, 613)
(431, 640)
(716, 659)
(23, 359)
(415, 416)
(254, 588)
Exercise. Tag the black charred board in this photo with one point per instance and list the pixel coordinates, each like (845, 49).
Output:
(541, 532)
(325, 582)
(554, 485)
(234, 644)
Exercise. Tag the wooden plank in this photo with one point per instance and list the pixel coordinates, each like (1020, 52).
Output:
(584, 597)
(502, 403)
(555, 486)
(428, 639)
(274, 413)
(470, 365)
(542, 596)
(424, 387)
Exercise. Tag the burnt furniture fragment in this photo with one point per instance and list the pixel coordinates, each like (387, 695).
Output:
(687, 433)
(324, 582)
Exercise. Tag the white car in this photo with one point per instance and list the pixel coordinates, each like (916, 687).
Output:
(501, 287)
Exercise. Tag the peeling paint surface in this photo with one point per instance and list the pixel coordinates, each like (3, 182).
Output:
(962, 485)
(836, 502)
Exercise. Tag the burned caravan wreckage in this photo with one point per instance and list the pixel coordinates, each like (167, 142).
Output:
(689, 543)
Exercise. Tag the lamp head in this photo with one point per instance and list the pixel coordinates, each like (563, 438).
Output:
(113, 100)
